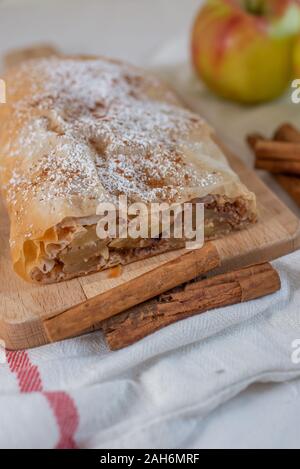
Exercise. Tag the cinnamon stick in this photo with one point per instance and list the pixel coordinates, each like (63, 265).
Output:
(278, 157)
(199, 297)
(278, 151)
(253, 139)
(287, 133)
(278, 167)
(166, 276)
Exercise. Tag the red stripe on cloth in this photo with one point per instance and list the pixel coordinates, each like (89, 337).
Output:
(28, 375)
(17, 360)
(67, 417)
(62, 405)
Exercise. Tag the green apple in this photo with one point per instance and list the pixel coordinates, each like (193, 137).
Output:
(243, 49)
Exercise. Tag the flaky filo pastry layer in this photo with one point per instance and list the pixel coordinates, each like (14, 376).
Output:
(77, 131)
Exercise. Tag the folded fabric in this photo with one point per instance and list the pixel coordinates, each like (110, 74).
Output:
(154, 393)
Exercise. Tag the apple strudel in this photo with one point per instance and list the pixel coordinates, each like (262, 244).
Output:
(77, 131)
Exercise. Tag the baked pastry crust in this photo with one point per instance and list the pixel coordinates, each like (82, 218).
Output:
(16, 56)
(77, 131)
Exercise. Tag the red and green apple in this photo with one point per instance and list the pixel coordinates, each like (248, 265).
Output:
(243, 49)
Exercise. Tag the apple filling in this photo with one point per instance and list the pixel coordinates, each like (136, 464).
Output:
(88, 253)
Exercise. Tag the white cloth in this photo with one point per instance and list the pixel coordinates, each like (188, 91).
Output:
(166, 390)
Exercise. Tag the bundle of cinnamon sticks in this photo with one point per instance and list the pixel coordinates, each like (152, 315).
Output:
(194, 298)
(280, 156)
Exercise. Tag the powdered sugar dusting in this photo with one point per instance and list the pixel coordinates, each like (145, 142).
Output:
(99, 128)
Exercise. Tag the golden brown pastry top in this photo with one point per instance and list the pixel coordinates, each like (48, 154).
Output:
(111, 124)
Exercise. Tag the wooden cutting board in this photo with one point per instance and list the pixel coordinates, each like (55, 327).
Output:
(31, 314)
